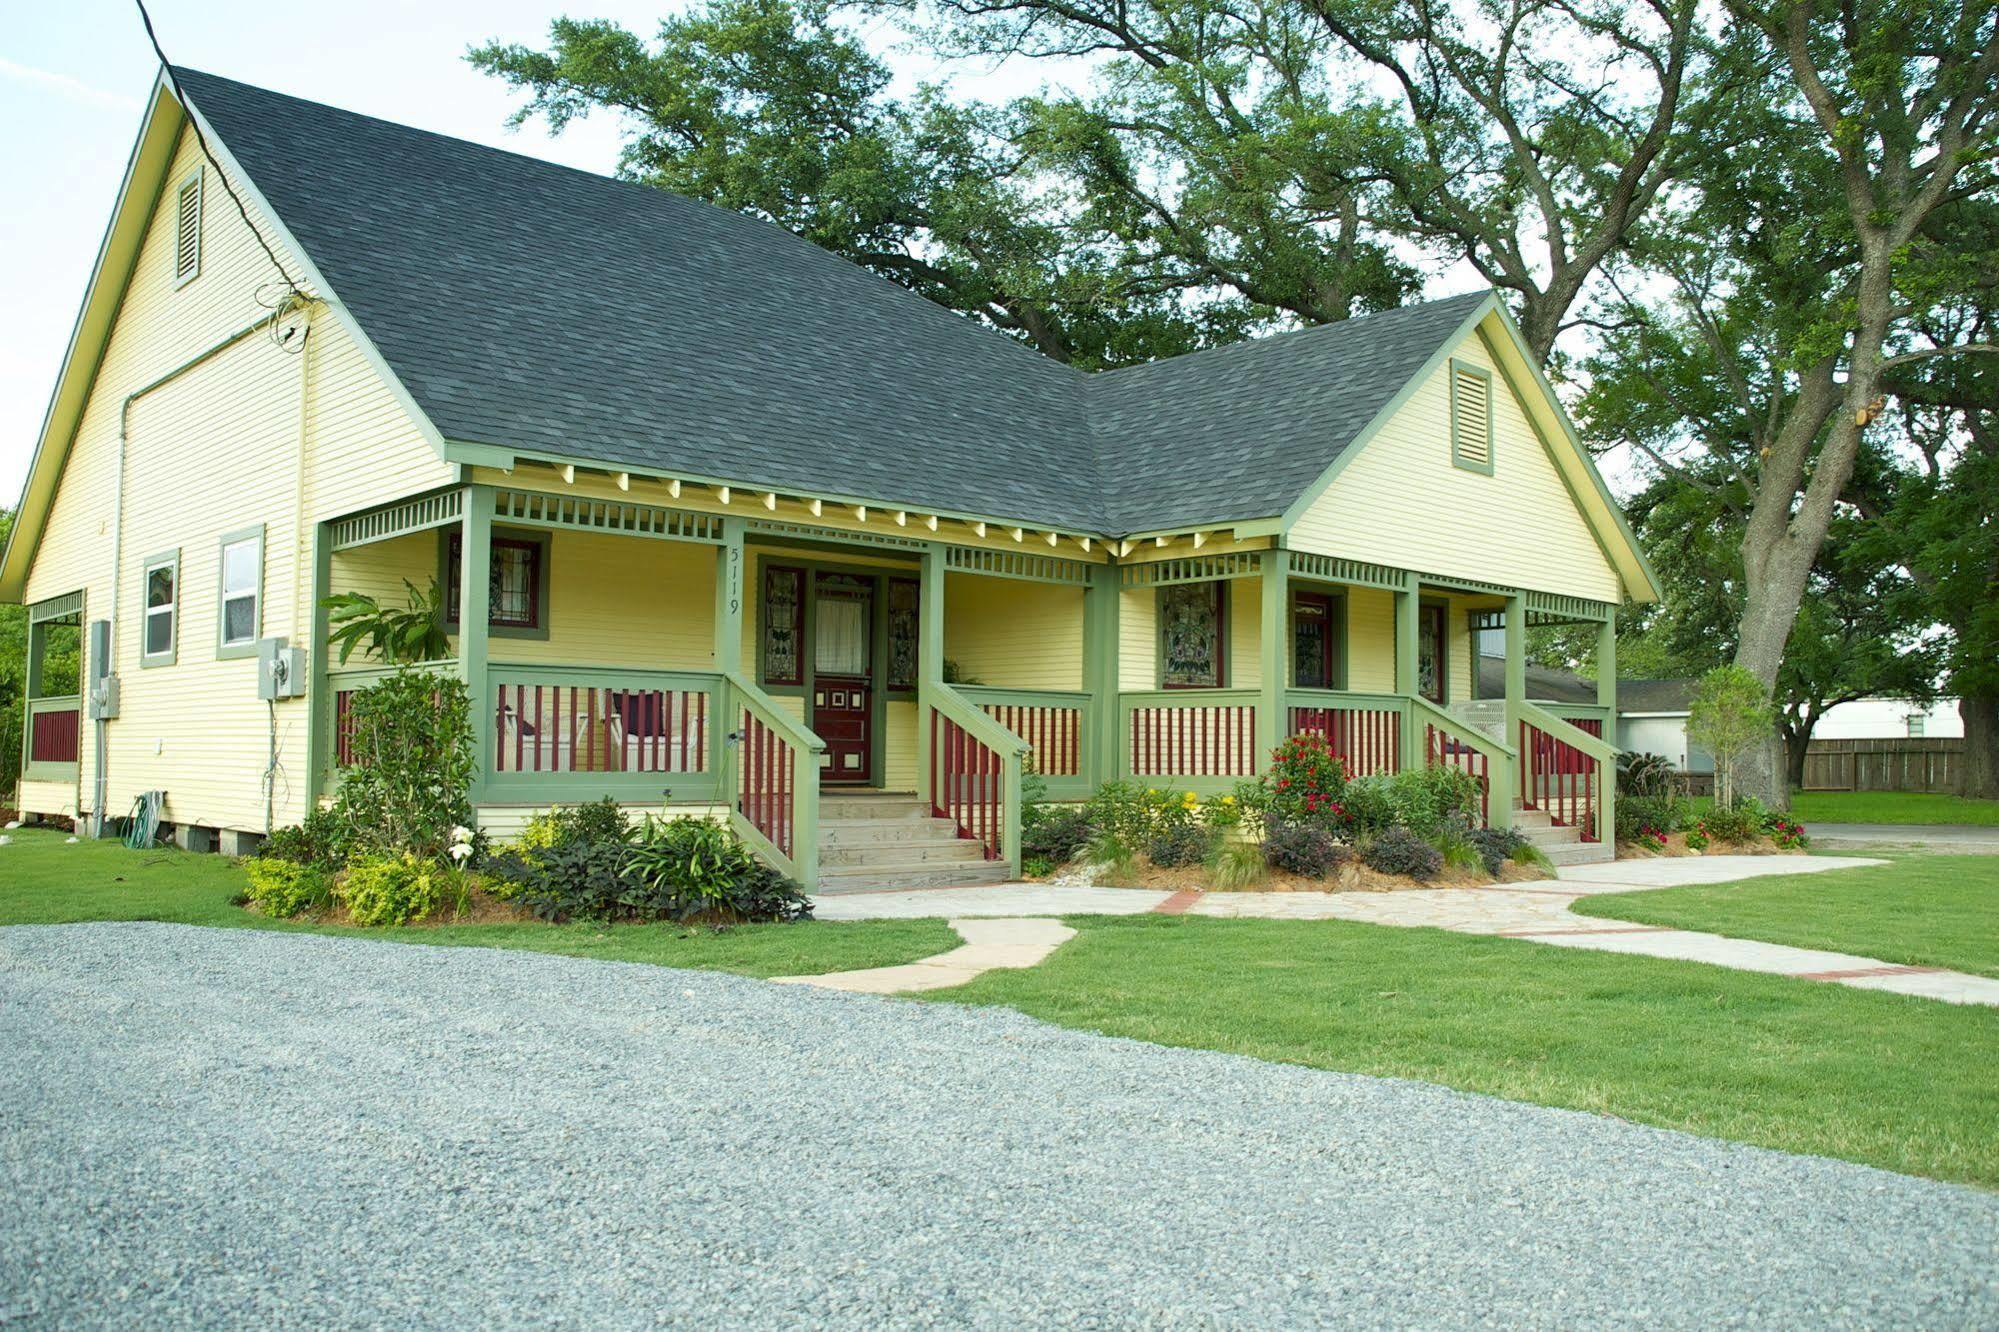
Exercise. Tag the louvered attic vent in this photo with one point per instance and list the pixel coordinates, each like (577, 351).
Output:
(187, 229)
(1471, 418)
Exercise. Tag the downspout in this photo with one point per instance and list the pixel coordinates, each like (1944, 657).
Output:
(101, 783)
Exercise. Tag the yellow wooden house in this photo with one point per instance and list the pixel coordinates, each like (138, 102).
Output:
(724, 522)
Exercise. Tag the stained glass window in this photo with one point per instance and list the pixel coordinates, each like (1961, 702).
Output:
(904, 600)
(1314, 650)
(1190, 636)
(513, 591)
(784, 624)
(1430, 653)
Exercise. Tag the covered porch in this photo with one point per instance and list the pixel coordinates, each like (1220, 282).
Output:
(751, 663)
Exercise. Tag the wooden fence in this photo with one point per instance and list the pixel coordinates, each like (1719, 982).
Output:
(1897, 764)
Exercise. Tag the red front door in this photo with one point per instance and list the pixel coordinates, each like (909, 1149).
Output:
(843, 677)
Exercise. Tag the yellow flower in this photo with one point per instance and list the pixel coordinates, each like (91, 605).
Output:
(1228, 800)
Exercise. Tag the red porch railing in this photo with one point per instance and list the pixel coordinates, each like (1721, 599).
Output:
(1368, 740)
(343, 728)
(967, 784)
(1558, 779)
(1054, 730)
(1442, 749)
(1197, 740)
(767, 783)
(570, 728)
(52, 734)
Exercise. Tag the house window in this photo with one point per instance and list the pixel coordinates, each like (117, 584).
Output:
(187, 229)
(1915, 726)
(784, 625)
(1315, 641)
(240, 616)
(517, 587)
(1192, 636)
(1431, 663)
(1471, 417)
(905, 599)
(161, 580)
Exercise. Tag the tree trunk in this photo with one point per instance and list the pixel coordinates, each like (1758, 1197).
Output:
(1797, 744)
(1981, 745)
(1775, 585)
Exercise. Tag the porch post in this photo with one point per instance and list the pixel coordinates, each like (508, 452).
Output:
(1274, 658)
(929, 658)
(319, 698)
(1606, 698)
(1100, 676)
(729, 575)
(474, 618)
(1407, 656)
(1516, 694)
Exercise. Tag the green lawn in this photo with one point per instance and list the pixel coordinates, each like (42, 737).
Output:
(1908, 1084)
(1929, 911)
(1891, 807)
(45, 881)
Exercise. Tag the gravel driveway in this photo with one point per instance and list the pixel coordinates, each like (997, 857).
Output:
(224, 1128)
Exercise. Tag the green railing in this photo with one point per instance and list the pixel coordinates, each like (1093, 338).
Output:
(1565, 772)
(770, 773)
(1369, 732)
(1446, 741)
(1202, 740)
(562, 734)
(1054, 724)
(970, 767)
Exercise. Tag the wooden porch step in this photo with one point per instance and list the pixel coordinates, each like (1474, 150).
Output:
(1550, 835)
(891, 876)
(870, 805)
(928, 851)
(1580, 853)
(883, 832)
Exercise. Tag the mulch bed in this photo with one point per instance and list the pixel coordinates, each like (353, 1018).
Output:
(1676, 845)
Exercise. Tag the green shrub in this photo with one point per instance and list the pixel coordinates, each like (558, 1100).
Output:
(1743, 823)
(1307, 849)
(1646, 776)
(1646, 819)
(1036, 867)
(1401, 851)
(1496, 846)
(1114, 860)
(1122, 810)
(1453, 842)
(410, 782)
(693, 866)
(283, 889)
(393, 890)
(1306, 782)
(1176, 844)
(1058, 833)
(320, 841)
(1234, 866)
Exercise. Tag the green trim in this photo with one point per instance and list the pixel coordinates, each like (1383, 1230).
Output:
(474, 588)
(319, 696)
(1191, 569)
(541, 538)
(167, 560)
(1445, 347)
(1102, 610)
(226, 651)
(1274, 633)
(1460, 366)
(1575, 442)
(386, 522)
(68, 606)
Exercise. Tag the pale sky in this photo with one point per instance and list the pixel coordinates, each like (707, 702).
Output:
(74, 74)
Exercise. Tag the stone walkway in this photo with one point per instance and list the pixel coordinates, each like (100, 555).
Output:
(989, 943)
(1538, 911)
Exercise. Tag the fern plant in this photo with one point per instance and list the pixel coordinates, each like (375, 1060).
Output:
(394, 635)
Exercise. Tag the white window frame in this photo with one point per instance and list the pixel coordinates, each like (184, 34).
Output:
(242, 647)
(147, 612)
(196, 181)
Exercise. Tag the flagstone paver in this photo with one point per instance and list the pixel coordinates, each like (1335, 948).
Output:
(1536, 911)
(988, 944)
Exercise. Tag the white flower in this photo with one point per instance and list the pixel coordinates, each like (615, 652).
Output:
(5, 839)
(461, 834)
(461, 851)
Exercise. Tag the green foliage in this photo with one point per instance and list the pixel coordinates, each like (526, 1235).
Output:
(592, 865)
(1307, 849)
(1114, 859)
(1454, 843)
(1729, 716)
(1416, 799)
(394, 889)
(1647, 820)
(1233, 866)
(1179, 843)
(1037, 867)
(1496, 846)
(1122, 810)
(1057, 834)
(1645, 776)
(1305, 783)
(394, 635)
(410, 782)
(1401, 851)
(283, 889)
(319, 841)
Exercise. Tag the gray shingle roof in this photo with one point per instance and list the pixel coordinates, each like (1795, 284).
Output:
(535, 307)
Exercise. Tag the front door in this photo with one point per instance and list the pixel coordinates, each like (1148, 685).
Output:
(843, 677)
